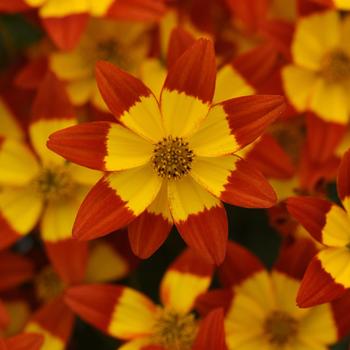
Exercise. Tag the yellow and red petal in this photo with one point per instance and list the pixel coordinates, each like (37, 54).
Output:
(14, 269)
(130, 101)
(235, 123)
(238, 266)
(65, 31)
(115, 201)
(138, 10)
(310, 44)
(199, 217)
(116, 310)
(211, 333)
(343, 181)
(51, 111)
(149, 230)
(17, 162)
(185, 279)
(55, 322)
(234, 181)
(294, 259)
(69, 259)
(9, 125)
(326, 222)
(274, 163)
(20, 210)
(25, 341)
(189, 89)
(326, 278)
(102, 146)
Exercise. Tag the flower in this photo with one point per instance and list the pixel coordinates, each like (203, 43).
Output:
(319, 77)
(131, 316)
(327, 276)
(169, 161)
(260, 310)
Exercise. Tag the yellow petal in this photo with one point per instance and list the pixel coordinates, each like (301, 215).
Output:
(298, 85)
(330, 102)
(17, 163)
(99, 7)
(9, 127)
(61, 8)
(21, 207)
(182, 114)
(311, 42)
(82, 175)
(81, 91)
(230, 84)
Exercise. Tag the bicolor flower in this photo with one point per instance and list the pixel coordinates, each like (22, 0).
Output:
(319, 76)
(38, 185)
(327, 276)
(124, 44)
(131, 316)
(169, 161)
(65, 21)
(260, 306)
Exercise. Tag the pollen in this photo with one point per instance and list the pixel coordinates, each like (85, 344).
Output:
(54, 183)
(336, 66)
(48, 285)
(280, 328)
(172, 158)
(175, 331)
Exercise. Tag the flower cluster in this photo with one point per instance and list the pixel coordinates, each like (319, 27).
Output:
(174, 174)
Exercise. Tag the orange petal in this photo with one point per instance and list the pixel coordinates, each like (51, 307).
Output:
(341, 315)
(69, 259)
(238, 265)
(14, 269)
(211, 333)
(343, 181)
(116, 310)
(194, 72)
(55, 321)
(32, 74)
(326, 222)
(66, 31)
(294, 258)
(137, 10)
(318, 286)
(186, 278)
(25, 341)
(13, 6)
(180, 41)
(4, 316)
(217, 298)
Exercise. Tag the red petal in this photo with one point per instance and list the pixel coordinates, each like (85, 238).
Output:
(66, 31)
(249, 116)
(295, 258)
(147, 233)
(94, 303)
(25, 341)
(311, 213)
(84, 144)
(270, 158)
(119, 89)
(206, 232)
(8, 236)
(238, 265)
(322, 138)
(214, 299)
(194, 73)
(4, 316)
(318, 286)
(180, 41)
(211, 333)
(32, 74)
(343, 181)
(137, 10)
(52, 101)
(247, 187)
(13, 6)
(69, 259)
(14, 270)
(340, 309)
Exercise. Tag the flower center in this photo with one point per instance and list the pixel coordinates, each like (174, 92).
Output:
(54, 183)
(175, 331)
(172, 158)
(48, 285)
(280, 328)
(336, 66)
